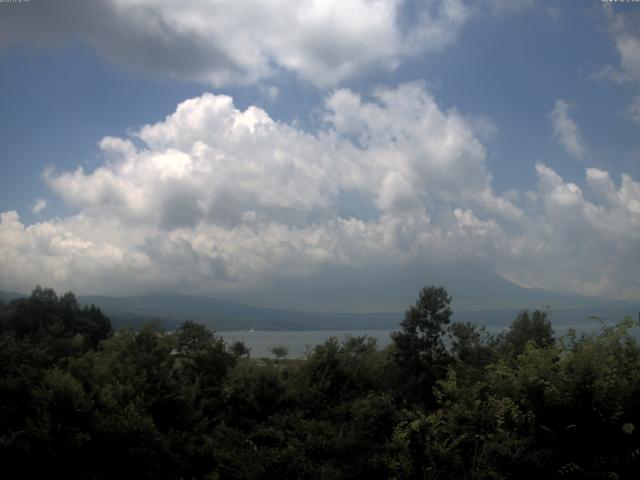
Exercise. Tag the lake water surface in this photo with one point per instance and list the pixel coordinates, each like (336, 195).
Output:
(298, 342)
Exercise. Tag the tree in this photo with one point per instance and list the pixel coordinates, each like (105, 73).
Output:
(534, 327)
(193, 337)
(58, 322)
(239, 349)
(419, 350)
(279, 351)
(472, 348)
(205, 360)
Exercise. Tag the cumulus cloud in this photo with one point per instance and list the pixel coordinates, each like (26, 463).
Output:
(566, 130)
(224, 42)
(38, 205)
(626, 35)
(213, 198)
(219, 195)
(628, 46)
(596, 243)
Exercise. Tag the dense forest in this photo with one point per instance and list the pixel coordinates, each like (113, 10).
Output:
(444, 401)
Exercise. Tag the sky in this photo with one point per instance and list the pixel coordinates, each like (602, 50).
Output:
(213, 147)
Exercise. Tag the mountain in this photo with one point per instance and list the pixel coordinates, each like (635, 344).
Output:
(479, 294)
(8, 296)
(174, 308)
(344, 298)
(227, 315)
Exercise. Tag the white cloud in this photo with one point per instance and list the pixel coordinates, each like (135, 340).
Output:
(628, 46)
(214, 198)
(626, 34)
(221, 196)
(592, 247)
(38, 205)
(566, 130)
(224, 42)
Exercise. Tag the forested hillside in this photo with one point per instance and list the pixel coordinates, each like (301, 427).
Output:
(444, 401)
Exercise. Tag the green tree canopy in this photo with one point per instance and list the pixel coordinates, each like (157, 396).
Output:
(419, 349)
(43, 316)
(528, 327)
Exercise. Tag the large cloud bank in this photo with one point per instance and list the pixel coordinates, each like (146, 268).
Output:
(223, 42)
(214, 198)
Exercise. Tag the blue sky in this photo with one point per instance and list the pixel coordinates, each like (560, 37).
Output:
(524, 98)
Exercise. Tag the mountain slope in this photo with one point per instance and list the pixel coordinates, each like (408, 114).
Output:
(343, 298)
(223, 314)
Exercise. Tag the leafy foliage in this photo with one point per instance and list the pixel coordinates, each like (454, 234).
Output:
(444, 401)
(419, 350)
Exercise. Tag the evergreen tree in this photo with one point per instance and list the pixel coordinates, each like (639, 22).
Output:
(419, 350)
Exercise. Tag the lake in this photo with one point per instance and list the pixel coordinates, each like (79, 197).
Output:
(298, 342)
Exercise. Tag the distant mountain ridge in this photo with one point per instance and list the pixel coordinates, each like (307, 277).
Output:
(172, 308)
(325, 301)
(8, 296)
(229, 315)
(393, 288)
